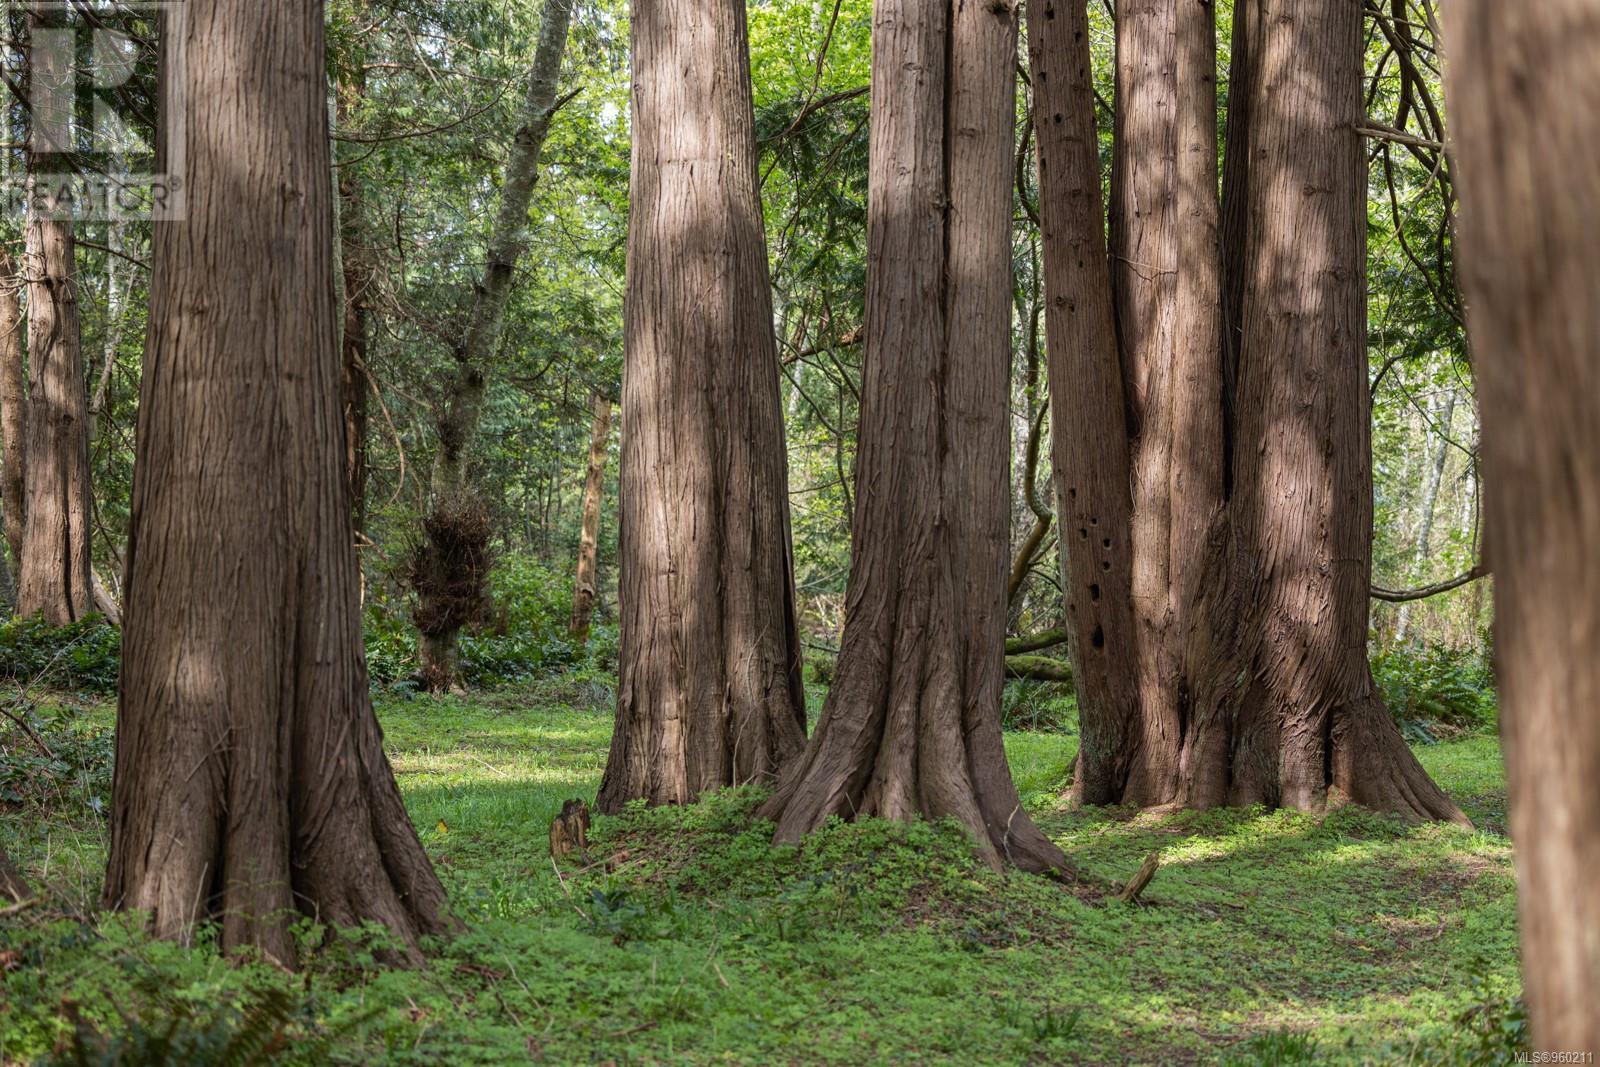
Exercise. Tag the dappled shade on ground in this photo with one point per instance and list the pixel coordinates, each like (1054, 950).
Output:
(1351, 936)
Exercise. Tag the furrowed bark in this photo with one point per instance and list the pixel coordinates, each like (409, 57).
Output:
(709, 689)
(911, 727)
(1525, 114)
(1089, 427)
(1219, 645)
(250, 780)
(353, 335)
(1165, 218)
(1309, 716)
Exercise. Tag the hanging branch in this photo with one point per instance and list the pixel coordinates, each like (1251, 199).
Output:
(1401, 596)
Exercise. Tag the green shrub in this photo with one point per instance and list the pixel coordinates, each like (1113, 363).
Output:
(50, 758)
(1437, 691)
(84, 655)
(1048, 707)
(525, 639)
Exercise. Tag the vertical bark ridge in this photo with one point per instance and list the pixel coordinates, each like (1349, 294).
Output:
(1088, 416)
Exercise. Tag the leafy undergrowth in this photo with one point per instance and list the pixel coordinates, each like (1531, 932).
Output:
(1266, 937)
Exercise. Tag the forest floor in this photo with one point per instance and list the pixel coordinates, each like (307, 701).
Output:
(1266, 937)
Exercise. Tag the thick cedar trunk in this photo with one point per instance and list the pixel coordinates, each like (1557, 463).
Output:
(54, 576)
(709, 690)
(1309, 716)
(584, 590)
(911, 727)
(1204, 590)
(1525, 113)
(439, 616)
(250, 779)
(13, 410)
(1166, 265)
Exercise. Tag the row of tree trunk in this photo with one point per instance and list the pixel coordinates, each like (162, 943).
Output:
(1211, 423)
(1210, 428)
(1210, 440)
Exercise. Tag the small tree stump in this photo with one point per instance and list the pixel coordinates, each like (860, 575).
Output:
(1147, 871)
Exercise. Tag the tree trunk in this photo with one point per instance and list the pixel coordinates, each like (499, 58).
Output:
(442, 606)
(13, 886)
(584, 590)
(13, 410)
(709, 689)
(1165, 213)
(250, 778)
(55, 540)
(1309, 716)
(911, 727)
(1088, 411)
(1430, 500)
(1525, 113)
(1237, 462)
(116, 306)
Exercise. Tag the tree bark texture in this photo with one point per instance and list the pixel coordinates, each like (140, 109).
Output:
(709, 692)
(1220, 643)
(440, 613)
(250, 779)
(13, 409)
(54, 575)
(911, 727)
(1525, 112)
(585, 589)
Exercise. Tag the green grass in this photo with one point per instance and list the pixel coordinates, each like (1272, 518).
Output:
(1266, 937)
